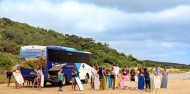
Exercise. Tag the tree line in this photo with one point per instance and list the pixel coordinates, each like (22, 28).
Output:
(13, 35)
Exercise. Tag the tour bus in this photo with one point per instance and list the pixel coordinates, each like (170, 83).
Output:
(53, 58)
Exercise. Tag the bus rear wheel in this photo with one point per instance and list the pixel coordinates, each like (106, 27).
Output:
(86, 78)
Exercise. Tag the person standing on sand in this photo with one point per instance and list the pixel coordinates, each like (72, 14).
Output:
(112, 77)
(132, 75)
(164, 79)
(141, 79)
(17, 71)
(105, 79)
(147, 79)
(60, 78)
(137, 72)
(109, 77)
(123, 78)
(100, 72)
(75, 73)
(157, 80)
(116, 72)
(35, 76)
(94, 72)
(8, 75)
(39, 74)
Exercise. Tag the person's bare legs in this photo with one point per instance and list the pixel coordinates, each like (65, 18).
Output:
(8, 82)
(92, 85)
(40, 87)
(34, 83)
(100, 85)
(37, 84)
(74, 85)
(15, 84)
(113, 83)
(27, 83)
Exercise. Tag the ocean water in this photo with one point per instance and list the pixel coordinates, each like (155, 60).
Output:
(176, 76)
(181, 76)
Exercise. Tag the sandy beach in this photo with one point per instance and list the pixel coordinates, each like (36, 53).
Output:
(176, 86)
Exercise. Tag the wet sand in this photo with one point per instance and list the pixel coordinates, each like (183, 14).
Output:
(175, 86)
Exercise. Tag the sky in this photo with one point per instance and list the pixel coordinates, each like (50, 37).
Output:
(148, 29)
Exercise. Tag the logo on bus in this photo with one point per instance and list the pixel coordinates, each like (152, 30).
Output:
(83, 66)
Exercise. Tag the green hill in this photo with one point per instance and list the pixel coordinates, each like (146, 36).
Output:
(151, 63)
(13, 35)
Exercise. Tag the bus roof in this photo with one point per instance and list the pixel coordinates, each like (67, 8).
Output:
(66, 49)
(57, 48)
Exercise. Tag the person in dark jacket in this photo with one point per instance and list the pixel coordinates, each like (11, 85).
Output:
(132, 75)
(9, 74)
(101, 74)
(147, 79)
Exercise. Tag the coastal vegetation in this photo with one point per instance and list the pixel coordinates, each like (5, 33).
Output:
(13, 35)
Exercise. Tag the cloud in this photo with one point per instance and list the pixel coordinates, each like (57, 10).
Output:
(136, 6)
(145, 34)
(154, 50)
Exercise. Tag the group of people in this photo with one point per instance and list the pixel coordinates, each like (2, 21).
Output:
(113, 78)
(9, 74)
(75, 73)
(37, 78)
(108, 78)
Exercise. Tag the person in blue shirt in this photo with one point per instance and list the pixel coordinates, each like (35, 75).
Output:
(75, 73)
(156, 72)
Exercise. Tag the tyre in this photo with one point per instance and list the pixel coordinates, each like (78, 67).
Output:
(86, 78)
